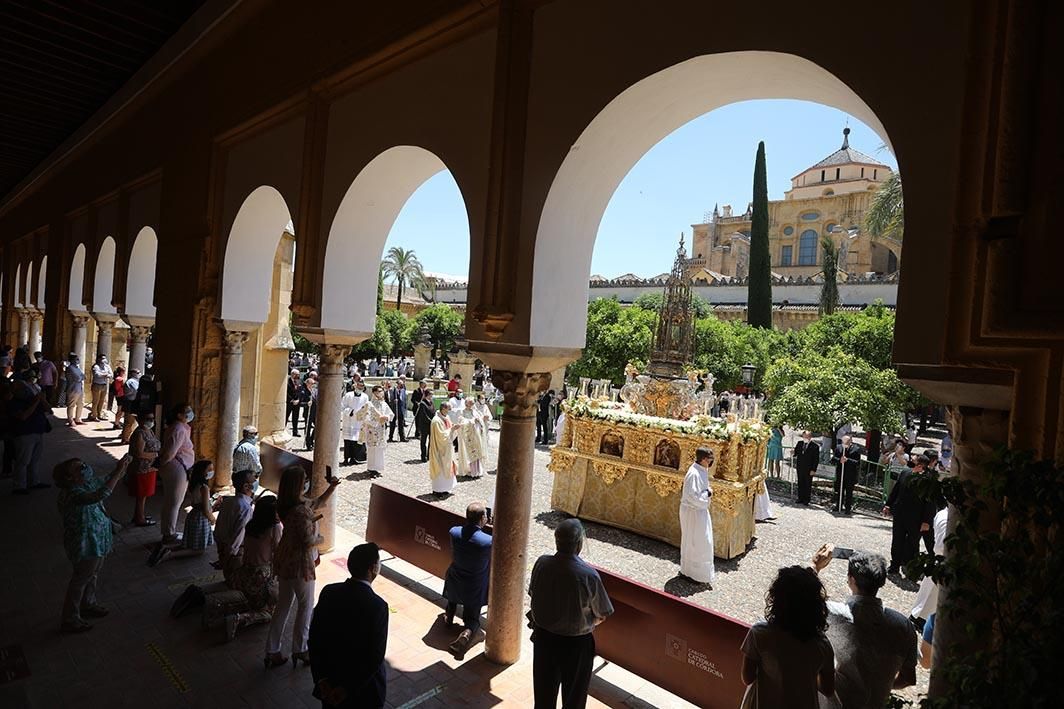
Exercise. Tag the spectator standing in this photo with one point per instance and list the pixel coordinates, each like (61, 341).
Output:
(312, 412)
(86, 536)
(787, 659)
(466, 581)
(946, 446)
(175, 458)
(696, 525)
(847, 461)
(199, 521)
(246, 454)
(28, 418)
(397, 402)
(128, 404)
(568, 601)
(774, 454)
(144, 449)
(423, 414)
(101, 380)
(75, 390)
(298, 398)
(927, 596)
(875, 647)
(544, 429)
(294, 562)
(910, 516)
(806, 460)
(349, 636)
(117, 392)
(48, 376)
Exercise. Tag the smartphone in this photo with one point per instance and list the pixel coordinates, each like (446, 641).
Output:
(841, 553)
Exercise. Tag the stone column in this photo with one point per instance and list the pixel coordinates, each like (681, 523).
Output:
(465, 364)
(138, 346)
(81, 323)
(104, 330)
(23, 327)
(976, 433)
(229, 420)
(327, 433)
(422, 355)
(513, 510)
(36, 321)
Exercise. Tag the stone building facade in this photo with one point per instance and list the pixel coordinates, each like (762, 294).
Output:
(828, 198)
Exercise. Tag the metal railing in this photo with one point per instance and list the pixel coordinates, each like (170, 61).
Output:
(870, 492)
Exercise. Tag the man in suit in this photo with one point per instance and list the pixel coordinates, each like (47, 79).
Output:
(298, 398)
(349, 636)
(396, 398)
(424, 410)
(544, 426)
(847, 457)
(910, 515)
(466, 582)
(806, 460)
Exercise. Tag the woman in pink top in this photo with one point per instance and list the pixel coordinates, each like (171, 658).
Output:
(175, 458)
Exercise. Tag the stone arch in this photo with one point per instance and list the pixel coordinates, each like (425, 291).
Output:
(18, 286)
(360, 229)
(76, 294)
(622, 132)
(247, 272)
(103, 283)
(28, 299)
(42, 280)
(140, 279)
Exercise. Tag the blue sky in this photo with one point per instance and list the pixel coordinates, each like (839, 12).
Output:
(709, 160)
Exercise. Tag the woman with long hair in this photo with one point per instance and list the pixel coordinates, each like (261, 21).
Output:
(255, 577)
(144, 448)
(175, 458)
(786, 658)
(198, 535)
(294, 562)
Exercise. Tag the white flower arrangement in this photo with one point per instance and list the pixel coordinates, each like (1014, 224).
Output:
(702, 425)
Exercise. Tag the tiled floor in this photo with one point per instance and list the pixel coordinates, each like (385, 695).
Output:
(138, 656)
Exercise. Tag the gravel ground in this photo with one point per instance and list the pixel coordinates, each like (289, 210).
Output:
(791, 538)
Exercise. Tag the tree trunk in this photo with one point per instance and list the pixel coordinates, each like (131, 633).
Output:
(399, 297)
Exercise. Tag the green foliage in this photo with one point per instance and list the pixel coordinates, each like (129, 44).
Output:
(401, 330)
(303, 344)
(723, 347)
(829, 291)
(444, 324)
(821, 391)
(1003, 595)
(402, 266)
(759, 284)
(615, 336)
(868, 334)
(380, 289)
(653, 301)
(380, 345)
(886, 214)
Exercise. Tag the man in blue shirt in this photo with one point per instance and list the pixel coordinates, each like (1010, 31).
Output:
(466, 583)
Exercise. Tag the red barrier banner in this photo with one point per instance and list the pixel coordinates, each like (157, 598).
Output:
(681, 647)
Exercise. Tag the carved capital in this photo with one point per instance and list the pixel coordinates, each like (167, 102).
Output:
(332, 359)
(234, 341)
(139, 333)
(976, 433)
(104, 326)
(520, 391)
(36, 315)
(80, 321)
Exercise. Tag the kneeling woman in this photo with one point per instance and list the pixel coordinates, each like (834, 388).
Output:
(255, 576)
(198, 535)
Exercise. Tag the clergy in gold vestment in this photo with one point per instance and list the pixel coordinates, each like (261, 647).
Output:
(696, 526)
(441, 452)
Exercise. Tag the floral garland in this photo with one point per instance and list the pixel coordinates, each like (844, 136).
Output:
(701, 426)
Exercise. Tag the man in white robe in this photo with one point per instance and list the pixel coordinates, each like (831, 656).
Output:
(471, 451)
(696, 525)
(442, 469)
(351, 403)
(374, 417)
(483, 412)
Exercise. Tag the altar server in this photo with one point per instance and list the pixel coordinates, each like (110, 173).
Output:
(351, 403)
(441, 453)
(375, 417)
(696, 526)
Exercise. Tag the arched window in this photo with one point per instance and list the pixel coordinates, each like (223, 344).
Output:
(807, 248)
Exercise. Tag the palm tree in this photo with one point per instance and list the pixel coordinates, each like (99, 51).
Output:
(886, 214)
(829, 292)
(404, 267)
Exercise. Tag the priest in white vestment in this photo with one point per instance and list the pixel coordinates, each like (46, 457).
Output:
(471, 453)
(351, 403)
(483, 412)
(762, 504)
(696, 525)
(375, 417)
(442, 467)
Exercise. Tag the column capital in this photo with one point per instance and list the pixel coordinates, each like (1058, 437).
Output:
(105, 321)
(139, 333)
(234, 341)
(520, 391)
(332, 358)
(80, 321)
(35, 315)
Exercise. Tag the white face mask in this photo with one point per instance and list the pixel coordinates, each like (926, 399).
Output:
(149, 425)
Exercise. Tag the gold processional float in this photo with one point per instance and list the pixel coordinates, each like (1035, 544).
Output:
(621, 459)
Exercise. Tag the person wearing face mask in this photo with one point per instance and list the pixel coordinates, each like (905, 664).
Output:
(198, 535)
(175, 458)
(28, 417)
(87, 536)
(246, 454)
(101, 379)
(144, 448)
(375, 417)
(294, 563)
(806, 460)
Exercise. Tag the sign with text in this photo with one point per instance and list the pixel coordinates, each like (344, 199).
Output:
(683, 648)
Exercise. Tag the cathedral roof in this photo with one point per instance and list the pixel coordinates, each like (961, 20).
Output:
(845, 155)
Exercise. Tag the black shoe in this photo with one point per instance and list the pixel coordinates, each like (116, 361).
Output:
(157, 554)
(191, 596)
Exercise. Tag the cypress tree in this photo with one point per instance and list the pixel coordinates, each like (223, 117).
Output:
(759, 281)
(829, 292)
